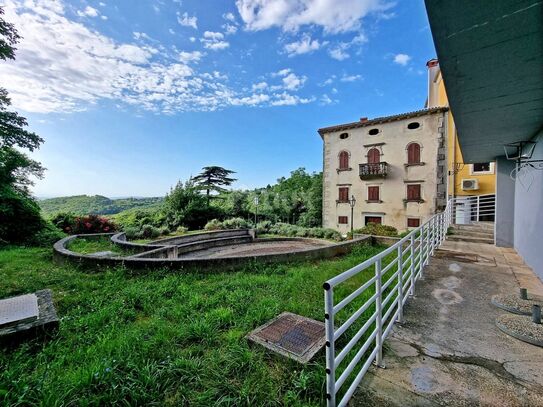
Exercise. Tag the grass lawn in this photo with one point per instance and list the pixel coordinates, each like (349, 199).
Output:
(87, 246)
(163, 338)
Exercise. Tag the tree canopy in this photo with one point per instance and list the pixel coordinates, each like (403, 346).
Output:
(213, 179)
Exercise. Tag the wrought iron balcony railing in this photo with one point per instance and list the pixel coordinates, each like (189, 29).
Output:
(373, 170)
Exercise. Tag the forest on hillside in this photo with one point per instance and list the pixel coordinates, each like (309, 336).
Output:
(96, 205)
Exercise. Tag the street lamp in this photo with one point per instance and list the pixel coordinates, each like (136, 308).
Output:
(352, 202)
(256, 210)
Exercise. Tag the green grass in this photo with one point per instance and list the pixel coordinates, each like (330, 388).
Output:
(164, 338)
(87, 246)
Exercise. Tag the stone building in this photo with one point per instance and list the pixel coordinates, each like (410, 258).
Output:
(395, 168)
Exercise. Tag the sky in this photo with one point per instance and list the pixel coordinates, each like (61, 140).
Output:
(132, 96)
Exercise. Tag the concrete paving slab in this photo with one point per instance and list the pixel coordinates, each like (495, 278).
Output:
(449, 350)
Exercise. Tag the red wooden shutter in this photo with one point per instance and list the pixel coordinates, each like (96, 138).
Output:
(413, 154)
(413, 222)
(343, 194)
(342, 220)
(343, 160)
(374, 156)
(373, 193)
(413, 192)
(373, 219)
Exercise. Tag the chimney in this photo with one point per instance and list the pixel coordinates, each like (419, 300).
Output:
(433, 87)
(363, 119)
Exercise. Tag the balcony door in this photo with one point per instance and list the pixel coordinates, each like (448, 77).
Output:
(374, 156)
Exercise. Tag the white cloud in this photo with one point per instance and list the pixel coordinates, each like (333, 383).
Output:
(287, 99)
(340, 50)
(193, 56)
(214, 41)
(230, 17)
(88, 12)
(171, 31)
(334, 16)
(293, 82)
(253, 100)
(259, 86)
(304, 46)
(402, 59)
(229, 29)
(282, 72)
(187, 21)
(326, 100)
(350, 78)
(338, 53)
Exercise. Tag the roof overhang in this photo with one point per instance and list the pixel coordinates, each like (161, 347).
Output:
(491, 57)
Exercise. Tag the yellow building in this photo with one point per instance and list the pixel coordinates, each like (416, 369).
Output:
(464, 179)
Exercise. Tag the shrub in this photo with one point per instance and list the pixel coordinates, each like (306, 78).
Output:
(149, 232)
(285, 229)
(377, 230)
(64, 221)
(20, 217)
(182, 230)
(131, 232)
(263, 227)
(92, 224)
(47, 236)
(236, 223)
(213, 224)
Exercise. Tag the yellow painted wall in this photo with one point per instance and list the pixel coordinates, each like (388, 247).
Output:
(487, 183)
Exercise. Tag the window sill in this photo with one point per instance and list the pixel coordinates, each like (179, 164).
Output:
(343, 169)
(338, 201)
(413, 200)
(414, 164)
(372, 201)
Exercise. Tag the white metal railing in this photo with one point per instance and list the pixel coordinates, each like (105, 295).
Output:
(473, 208)
(396, 270)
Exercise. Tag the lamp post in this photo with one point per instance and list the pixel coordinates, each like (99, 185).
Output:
(352, 202)
(256, 210)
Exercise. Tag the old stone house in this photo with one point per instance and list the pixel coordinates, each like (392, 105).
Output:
(394, 167)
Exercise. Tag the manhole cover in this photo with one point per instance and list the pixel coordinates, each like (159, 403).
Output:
(291, 335)
(23, 308)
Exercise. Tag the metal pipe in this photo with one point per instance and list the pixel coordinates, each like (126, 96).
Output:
(330, 345)
(400, 284)
(379, 310)
(412, 277)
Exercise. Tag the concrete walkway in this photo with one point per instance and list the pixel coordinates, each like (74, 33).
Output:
(449, 351)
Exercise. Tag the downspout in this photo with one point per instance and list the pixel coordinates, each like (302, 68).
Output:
(454, 164)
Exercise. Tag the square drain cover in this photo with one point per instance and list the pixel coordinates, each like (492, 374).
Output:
(291, 335)
(23, 308)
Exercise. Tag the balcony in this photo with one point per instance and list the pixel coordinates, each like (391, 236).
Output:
(378, 170)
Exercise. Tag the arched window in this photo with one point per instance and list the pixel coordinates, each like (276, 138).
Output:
(413, 153)
(344, 160)
(374, 156)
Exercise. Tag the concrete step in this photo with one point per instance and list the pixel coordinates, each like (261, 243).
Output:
(473, 233)
(471, 239)
(475, 227)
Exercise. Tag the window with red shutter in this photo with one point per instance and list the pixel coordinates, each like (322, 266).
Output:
(413, 192)
(374, 156)
(343, 194)
(373, 194)
(373, 219)
(413, 153)
(342, 220)
(344, 160)
(413, 222)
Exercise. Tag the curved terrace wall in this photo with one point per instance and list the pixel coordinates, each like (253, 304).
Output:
(164, 259)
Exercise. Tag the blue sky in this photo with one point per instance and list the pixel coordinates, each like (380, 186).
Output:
(131, 96)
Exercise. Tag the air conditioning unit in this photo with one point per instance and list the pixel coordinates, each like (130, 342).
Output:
(470, 184)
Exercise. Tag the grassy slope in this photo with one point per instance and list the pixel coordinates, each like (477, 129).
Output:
(164, 339)
(99, 205)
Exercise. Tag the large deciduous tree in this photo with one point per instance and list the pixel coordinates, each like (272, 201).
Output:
(20, 218)
(213, 179)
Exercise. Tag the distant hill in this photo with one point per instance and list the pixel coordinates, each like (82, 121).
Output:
(97, 204)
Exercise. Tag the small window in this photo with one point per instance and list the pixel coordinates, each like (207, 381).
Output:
(343, 194)
(373, 132)
(413, 222)
(344, 160)
(373, 194)
(413, 192)
(342, 220)
(413, 153)
(413, 125)
(481, 167)
(373, 219)
(343, 136)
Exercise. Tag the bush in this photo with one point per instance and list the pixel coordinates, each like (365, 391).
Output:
(64, 221)
(377, 230)
(20, 218)
(132, 232)
(263, 227)
(182, 230)
(213, 224)
(91, 224)
(149, 232)
(47, 236)
(285, 229)
(236, 223)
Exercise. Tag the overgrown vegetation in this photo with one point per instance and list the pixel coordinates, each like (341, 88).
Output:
(376, 229)
(74, 225)
(165, 338)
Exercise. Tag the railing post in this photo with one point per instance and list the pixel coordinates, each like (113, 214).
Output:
(400, 284)
(478, 204)
(427, 256)
(412, 267)
(421, 249)
(330, 345)
(379, 311)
